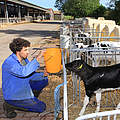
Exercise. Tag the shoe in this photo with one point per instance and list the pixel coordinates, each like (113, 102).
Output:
(8, 111)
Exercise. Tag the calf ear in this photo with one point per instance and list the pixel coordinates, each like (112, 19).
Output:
(68, 65)
(82, 56)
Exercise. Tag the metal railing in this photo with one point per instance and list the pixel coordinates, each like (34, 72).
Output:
(107, 115)
(58, 107)
(94, 57)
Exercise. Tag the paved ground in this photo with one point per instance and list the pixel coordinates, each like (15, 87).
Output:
(36, 33)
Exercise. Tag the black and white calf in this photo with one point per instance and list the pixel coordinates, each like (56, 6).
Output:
(100, 45)
(81, 45)
(83, 38)
(105, 45)
(96, 79)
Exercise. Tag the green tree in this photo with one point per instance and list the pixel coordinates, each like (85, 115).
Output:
(116, 11)
(77, 8)
(59, 4)
(99, 12)
(113, 11)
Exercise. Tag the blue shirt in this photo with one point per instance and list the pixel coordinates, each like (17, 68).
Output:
(16, 77)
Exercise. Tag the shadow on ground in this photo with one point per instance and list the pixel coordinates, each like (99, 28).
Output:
(45, 22)
(31, 33)
(1, 105)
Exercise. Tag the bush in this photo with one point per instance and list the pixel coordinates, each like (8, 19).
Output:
(68, 17)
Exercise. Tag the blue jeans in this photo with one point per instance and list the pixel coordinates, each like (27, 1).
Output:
(33, 104)
(39, 84)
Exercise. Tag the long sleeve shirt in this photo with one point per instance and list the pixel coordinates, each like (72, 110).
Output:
(16, 77)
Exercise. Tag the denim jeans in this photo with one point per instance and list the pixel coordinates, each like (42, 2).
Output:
(33, 104)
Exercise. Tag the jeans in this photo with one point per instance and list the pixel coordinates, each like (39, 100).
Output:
(33, 104)
(29, 105)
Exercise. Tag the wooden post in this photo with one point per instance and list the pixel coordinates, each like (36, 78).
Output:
(6, 11)
(34, 15)
(19, 12)
(38, 13)
(28, 12)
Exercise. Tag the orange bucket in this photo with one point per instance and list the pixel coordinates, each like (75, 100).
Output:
(52, 58)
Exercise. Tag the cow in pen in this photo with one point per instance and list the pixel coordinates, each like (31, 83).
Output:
(96, 80)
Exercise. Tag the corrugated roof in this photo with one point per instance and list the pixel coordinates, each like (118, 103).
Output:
(21, 2)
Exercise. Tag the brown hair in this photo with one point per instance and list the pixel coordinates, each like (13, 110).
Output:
(17, 44)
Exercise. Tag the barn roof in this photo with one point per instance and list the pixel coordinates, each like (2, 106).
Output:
(27, 4)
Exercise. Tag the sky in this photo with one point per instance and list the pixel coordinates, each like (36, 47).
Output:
(104, 2)
(43, 3)
(50, 3)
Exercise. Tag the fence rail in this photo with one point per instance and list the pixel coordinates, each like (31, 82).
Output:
(101, 115)
(92, 56)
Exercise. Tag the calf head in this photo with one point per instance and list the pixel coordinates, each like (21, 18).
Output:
(75, 66)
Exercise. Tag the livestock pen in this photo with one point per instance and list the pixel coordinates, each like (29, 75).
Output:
(73, 87)
(75, 91)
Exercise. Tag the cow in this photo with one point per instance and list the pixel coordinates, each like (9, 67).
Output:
(80, 45)
(101, 50)
(96, 80)
(105, 45)
(83, 37)
(100, 45)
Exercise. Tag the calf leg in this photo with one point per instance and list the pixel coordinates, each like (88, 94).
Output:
(118, 106)
(86, 101)
(98, 98)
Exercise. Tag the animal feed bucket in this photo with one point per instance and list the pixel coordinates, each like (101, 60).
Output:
(52, 58)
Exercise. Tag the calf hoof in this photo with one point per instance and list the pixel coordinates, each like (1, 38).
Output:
(97, 111)
(118, 106)
(81, 113)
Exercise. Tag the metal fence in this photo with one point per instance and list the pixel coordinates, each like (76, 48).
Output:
(93, 56)
(58, 106)
(107, 115)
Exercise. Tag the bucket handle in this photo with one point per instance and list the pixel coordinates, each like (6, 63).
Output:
(48, 58)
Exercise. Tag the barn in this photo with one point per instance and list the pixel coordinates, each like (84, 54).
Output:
(17, 10)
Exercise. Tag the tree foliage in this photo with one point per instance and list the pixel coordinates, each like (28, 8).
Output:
(117, 11)
(99, 12)
(59, 4)
(90, 8)
(77, 8)
(113, 11)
